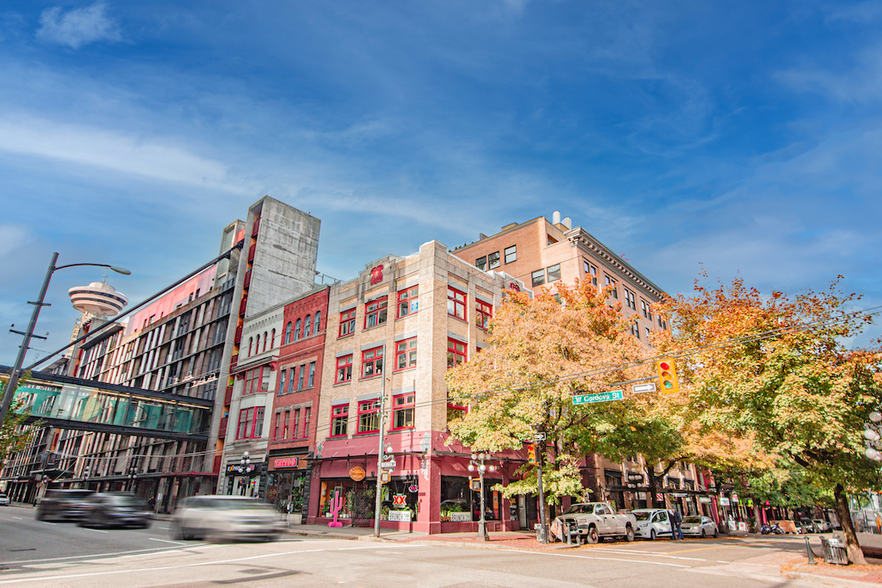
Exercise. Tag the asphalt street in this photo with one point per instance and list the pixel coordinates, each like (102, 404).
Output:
(34, 553)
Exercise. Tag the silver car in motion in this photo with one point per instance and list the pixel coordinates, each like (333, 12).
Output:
(225, 517)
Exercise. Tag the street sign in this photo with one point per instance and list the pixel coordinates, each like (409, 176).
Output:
(643, 388)
(602, 397)
(539, 437)
(388, 465)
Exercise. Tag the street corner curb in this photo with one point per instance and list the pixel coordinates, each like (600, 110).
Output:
(828, 580)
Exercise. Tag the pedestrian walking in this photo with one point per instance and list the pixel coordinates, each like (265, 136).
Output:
(676, 519)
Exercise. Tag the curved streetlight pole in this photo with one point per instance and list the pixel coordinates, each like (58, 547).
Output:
(14, 375)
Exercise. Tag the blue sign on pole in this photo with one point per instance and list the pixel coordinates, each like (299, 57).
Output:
(602, 397)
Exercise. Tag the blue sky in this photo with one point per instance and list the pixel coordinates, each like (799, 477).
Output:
(743, 138)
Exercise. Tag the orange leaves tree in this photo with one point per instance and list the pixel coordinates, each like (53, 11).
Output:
(523, 381)
(776, 369)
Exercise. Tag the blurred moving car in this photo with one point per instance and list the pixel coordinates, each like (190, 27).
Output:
(699, 526)
(115, 509)
(4, 500)
(806, 526)
(652, 523)
(62, 505)
(225, 516)
(822, 526)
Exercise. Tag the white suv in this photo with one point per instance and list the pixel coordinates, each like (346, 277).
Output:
(4, 500)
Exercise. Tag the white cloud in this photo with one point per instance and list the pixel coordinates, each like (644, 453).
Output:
(77, 27)
(860, 83)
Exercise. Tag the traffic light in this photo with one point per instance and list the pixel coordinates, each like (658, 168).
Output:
(531, 453)
(667, 376)
(86, 472)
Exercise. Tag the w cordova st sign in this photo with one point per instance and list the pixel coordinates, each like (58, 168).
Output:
(602, 397)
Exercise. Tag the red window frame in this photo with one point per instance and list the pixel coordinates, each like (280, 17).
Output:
(403, 411)
(306, 412)
(344, 369)
(250, 424)
(376, 312)
(368, 416)
(408, 302)
(256, 380)
(456, 303)
(347, 322)
(483, 314)
(456, 353)
(405, 354)
(339, 420)
(372, 360)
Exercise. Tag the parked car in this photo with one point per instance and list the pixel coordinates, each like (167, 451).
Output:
(62, 505)
(225, 516)
(652, 523)
(699, 526)
(115, 509)
(4, 500)
(589, 522)
(822, 526)
(806, 526)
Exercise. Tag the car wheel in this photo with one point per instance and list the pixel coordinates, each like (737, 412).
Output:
(653, 535)
(716, 533)
(629, 534)
(703, 534)
(592, 537)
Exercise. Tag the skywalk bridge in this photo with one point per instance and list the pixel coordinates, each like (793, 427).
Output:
(73, 403)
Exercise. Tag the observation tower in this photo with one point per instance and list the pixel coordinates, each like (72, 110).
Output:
(98, 298)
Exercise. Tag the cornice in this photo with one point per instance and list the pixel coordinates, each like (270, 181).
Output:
(580, 237)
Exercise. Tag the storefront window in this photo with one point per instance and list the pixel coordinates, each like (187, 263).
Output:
(456, 498)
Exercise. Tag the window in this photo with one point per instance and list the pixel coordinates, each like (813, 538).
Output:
(300, 379)
(250, 423)
(307, 322)
(297, 330)
(647, 333)
(402, 409)
(369, 416)
(553, 273)
(347, 322)
(612, 283)
(265, 339)
(662, 323)
(288, 333)
(590, 272)
(630, 301)
(344, 369)
(250, 343)
(318, 320)
(286, 424)
(281, 381)
(273, 340)
(646, 308)
(339, 420)
(635, 330)
(538, 277)
(291, 380)
(456, 302)
(256, 380)
(481, 263)
(483, 313)
(372, 362)
(276, 425)
(311, 375)
(408, 301)
(296, 428)
(511, 254)
(375, 312)
(456, 353)
(455, 412)
(305, 432)
(406, 354)
(493, 260)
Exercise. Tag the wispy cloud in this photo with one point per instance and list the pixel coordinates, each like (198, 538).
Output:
(78, 27)
(862, 82)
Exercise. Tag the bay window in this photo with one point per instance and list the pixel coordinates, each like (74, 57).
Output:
(250, 423)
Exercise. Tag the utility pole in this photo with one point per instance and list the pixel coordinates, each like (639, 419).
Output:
(380, 457)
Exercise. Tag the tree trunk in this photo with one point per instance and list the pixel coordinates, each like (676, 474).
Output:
(853, 548)
(652, 482)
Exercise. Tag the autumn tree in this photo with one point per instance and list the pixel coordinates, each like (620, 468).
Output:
(541, 352)
(777, 370)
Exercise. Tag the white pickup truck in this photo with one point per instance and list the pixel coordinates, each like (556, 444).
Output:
(588, 522)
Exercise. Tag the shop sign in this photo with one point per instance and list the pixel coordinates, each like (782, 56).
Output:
(679, 495)
(402, 516)
(285, 462)
(413, 488)
(399, 499)
(724, 501)
(357, 473)
(460, 517)
(251, 469)
(704, 499)
(734, 497)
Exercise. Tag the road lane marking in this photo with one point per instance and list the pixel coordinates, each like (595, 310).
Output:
(96, 530)
(214, 563)
(99, 555)
(618, 559)
(701, 548)
(649, 553)
(166, 541)
(18, 518)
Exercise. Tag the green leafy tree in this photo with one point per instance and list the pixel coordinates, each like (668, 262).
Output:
(14, 434)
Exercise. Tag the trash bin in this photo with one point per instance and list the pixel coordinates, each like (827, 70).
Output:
(834, 551)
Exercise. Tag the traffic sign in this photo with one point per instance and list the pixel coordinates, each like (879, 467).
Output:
(643, 388)
(602, 397)
(539, 437)
(388, 465)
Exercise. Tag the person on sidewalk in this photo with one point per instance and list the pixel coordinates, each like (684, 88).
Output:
(676, 519)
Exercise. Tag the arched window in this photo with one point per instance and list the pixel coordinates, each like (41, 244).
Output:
(264, 340)
(288, 333)
(306, 325)
(250, 343)
(318, 321)
(273, 340)
(297, 330)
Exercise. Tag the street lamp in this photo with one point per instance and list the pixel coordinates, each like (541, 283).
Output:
(873, 436)
(19, 361)
(133, 473)
(478, 463)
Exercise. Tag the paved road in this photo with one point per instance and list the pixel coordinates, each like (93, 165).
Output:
(70, 556)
